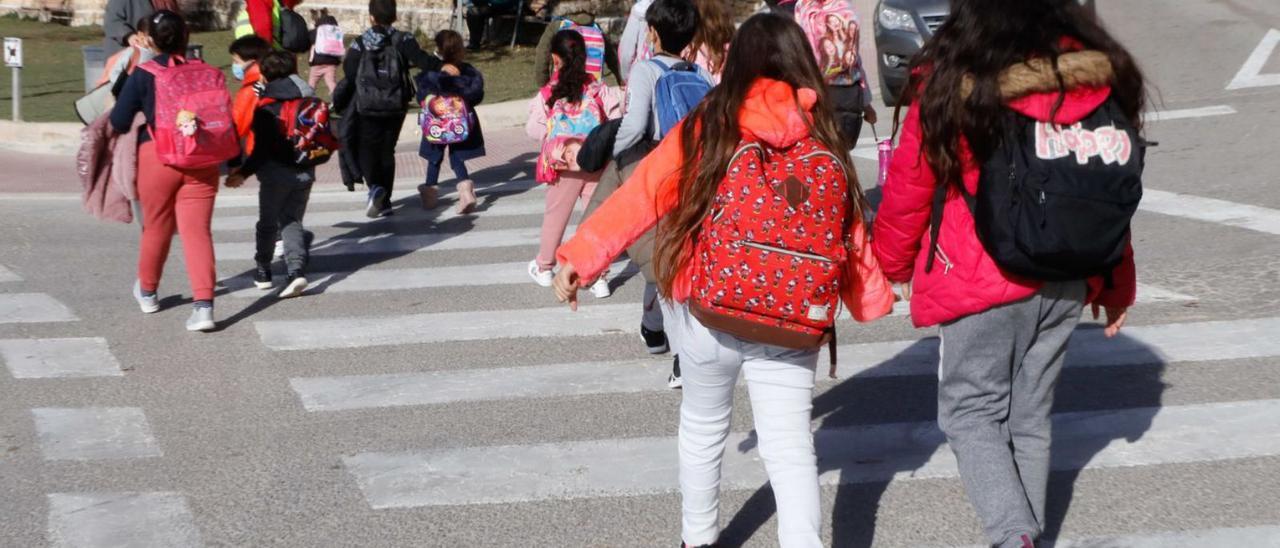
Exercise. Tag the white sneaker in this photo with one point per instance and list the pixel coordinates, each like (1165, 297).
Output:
(294, 287)
(150, 304)
(600, 289)
(201, 319)
(279, 251)
(540, 276)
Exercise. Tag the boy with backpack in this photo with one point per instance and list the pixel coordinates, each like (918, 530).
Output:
(378, 65)
(293, 136)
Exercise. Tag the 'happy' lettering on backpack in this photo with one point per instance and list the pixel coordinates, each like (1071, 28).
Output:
(1111, 144)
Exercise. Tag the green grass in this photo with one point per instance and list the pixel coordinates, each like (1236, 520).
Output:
(53, 77)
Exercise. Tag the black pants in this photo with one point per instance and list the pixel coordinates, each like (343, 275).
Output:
(847, 101)
(282, 202)
(479, 13)
(377, 152)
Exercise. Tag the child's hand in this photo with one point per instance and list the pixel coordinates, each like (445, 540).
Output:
(869, 115)
(451, 70)
(235, 180)
(566, 284)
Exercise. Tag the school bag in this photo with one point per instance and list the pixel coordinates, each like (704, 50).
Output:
(329, 41)
(568, 125)
(294, 35)
(193, 123)
(445, 119)
(832, 28)
(383, 88)
(594, 38)
(680, 88)
(771, 252)
(305, 123)
(1054, 202)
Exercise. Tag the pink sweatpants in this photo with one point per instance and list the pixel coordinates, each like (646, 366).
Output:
(182, 200)
(572, 188)
(328, 72)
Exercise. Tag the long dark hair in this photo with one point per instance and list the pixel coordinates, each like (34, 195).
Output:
(169, 32)
(766, 46)
(572, 79)
(715, 32)
(980, 39)
(450, 46)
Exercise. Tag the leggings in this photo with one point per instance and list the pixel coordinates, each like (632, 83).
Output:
(562, 195)
(182, 200)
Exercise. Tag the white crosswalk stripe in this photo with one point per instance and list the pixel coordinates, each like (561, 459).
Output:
(121, 520)
(33, 308)
(409, 215)
(908, 451)
(94, 433)
(388, 243)
(59, 358)
(1142, 345)
(249, 198)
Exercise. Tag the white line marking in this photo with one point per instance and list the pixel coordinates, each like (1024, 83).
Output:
(1202, 112)
(59, 358)
(7, 275)
(409, 215)
(1211, 210)
(121, 520)
(1250, 75)
(33, 308)
(389, 243)
(448, 326)
(94, 433)
(406, 190)
(407, 278)
(1141, 345)
(1147, 294)
(875, 453)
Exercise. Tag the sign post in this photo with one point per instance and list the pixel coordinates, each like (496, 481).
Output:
(13, 59)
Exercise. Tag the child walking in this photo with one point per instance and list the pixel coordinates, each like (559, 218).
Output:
(561, 116)
(1027, 85)
(327, 50)
(760, 240)
(284, 186)
(449, 98)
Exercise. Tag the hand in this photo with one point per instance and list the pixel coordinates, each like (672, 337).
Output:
(137, 40)
(566, 284)
(234, 180)
(870, 115)
(451, 70)
(1116, 316)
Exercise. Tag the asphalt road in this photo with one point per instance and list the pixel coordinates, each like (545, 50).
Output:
(427, 394)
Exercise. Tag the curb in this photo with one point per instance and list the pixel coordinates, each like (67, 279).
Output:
(63, 138)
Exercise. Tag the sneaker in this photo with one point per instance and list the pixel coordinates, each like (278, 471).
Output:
(600, 289)
(655, 341)
(429, 195)
(294, 287)
(150, 304)
(279, 251)
(201, 318)
(540, 276)
(374, 208)
(673, 381)
(262, 277)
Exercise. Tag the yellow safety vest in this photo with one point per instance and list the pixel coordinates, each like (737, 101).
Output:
(244, 28)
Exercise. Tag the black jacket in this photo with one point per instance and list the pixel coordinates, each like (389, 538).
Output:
(270, 144)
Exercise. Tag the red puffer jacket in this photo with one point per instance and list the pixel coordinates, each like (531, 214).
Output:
(965, 279)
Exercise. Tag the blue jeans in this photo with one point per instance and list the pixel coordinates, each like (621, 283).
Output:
(457, 164)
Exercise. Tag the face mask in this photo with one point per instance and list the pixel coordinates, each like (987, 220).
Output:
(237, 70)
(145, 54)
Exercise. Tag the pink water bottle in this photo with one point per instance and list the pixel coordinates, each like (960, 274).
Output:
(884, 151)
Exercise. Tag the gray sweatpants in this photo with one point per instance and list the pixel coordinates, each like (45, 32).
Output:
(995, 392)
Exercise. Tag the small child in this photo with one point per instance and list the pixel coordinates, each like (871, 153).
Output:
(284, 187)
(326, 50)
(439, 92)
(246, 52)
(561, 115)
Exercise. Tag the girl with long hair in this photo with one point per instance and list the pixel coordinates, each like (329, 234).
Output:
(560, 116)
(711, 43)
(996, 70)
(771, 99)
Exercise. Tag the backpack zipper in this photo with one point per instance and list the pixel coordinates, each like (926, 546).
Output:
(784, 251)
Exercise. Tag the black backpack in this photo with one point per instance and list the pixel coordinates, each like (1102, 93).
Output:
(1054, 202)
(294, 35)
(383, 88)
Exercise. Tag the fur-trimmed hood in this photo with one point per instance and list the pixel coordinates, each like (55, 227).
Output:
(1031, 88)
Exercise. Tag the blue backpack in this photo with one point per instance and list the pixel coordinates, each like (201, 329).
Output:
(679, 90)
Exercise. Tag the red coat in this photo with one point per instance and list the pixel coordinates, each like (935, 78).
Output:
(773, 113)
(965, 279)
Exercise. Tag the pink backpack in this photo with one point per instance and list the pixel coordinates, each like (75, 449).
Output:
(833, 30)
(568, 125)
(329, 41)
(193, 123)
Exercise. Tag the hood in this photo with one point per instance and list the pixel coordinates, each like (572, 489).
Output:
(284, 89)
(375, 38)
(252, 74)
(776, 113)
(1031, 88)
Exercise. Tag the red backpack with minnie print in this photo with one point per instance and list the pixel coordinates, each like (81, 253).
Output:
(771, 253)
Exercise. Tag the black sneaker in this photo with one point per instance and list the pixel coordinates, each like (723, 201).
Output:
(673, 382)
(294, 287)
(262, 277)
(655, 341)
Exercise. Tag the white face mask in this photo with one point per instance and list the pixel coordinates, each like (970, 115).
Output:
(145, 54)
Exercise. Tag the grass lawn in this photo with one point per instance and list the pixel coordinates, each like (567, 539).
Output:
(53, 77)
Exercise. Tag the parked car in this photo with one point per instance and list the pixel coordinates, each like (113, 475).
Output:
(901, 28)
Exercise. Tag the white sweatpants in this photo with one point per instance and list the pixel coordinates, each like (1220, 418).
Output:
(780, 383)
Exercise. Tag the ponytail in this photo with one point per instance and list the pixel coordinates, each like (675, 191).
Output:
(572, 80)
